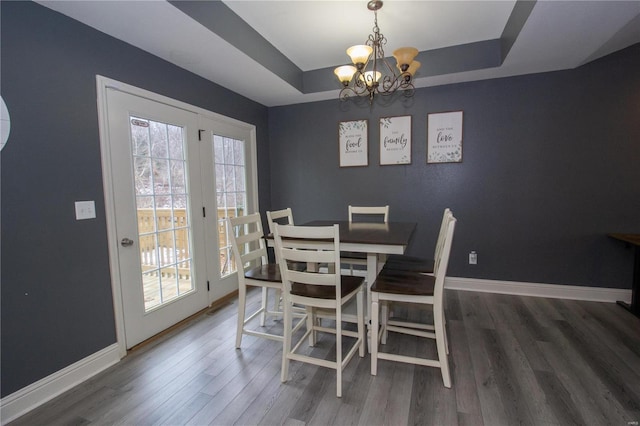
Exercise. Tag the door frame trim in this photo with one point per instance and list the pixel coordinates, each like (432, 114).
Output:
(102, 84)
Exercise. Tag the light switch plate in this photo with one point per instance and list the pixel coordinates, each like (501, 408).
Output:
(85, 210)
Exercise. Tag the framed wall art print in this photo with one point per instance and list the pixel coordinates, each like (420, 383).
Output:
(395, 140)
(352, 138)
(444, 137)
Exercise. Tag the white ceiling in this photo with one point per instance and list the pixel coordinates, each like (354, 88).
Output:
(314, 35)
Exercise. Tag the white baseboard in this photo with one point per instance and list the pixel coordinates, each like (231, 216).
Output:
(595, 294)
(26, 399)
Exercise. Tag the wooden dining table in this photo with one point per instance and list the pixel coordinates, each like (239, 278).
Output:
(375, 240)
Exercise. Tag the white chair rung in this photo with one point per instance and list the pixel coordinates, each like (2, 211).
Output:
(411, 331)
(409, 359)
(411, 324)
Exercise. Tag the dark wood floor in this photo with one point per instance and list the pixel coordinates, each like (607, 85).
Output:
(515, 360)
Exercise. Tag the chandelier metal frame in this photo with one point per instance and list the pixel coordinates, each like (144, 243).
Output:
(376, 75)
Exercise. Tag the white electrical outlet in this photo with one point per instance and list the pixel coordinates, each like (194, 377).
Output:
(473, 258)
(85, 210)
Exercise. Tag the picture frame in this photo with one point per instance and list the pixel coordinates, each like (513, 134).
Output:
(353, 143)
(395, 140)
(444, 137)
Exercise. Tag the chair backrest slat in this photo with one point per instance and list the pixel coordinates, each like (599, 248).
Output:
(308, 253)
(250, 256)
(365, 210)
(255, 236)
(243, 220)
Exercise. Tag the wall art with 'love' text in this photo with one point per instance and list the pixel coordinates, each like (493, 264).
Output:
(444, 137)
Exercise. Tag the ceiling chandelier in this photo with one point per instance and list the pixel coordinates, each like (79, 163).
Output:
(372, 73)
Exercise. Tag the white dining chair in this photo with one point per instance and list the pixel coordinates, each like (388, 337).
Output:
(283, 217)
(250, 254)
(403, 262)
(416, 288)
(363, 214)
(317, 289)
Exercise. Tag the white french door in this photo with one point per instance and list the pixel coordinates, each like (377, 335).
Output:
(157, 193)
(173, 173)
(229, 165)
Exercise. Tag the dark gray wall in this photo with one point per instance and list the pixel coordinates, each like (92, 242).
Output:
(56, 289)
(550, 166)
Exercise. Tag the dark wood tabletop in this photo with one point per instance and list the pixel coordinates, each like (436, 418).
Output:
(390, 233)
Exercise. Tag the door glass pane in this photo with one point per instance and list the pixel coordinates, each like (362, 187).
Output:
(231, 195)
(164, 228)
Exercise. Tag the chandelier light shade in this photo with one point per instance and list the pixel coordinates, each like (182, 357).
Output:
(359, 54)
(412, 68)
(370, 78)
(345, 73)
(371, 73)
(404, 56)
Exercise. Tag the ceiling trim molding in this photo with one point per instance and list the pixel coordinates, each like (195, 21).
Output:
(220, 19)
(519, 16)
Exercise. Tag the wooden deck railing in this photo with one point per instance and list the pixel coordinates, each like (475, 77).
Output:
(170, 225)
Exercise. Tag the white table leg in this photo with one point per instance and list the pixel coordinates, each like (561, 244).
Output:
(372, 273)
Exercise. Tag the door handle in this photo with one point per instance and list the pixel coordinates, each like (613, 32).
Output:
(126, 242)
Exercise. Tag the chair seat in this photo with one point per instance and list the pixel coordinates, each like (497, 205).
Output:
(269, 272)
(409, 263)
(404, 282)
(350, 283)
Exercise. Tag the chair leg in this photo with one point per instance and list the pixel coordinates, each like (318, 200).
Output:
(444, 333)
(367, 316)
(360, 313)
(438, 320)
(277, 301)
(339, 353)
(286, 341)
(384, 308)
(242, 306)
(263, 315)
(311, 322)
(385, 320)
(374, 334)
